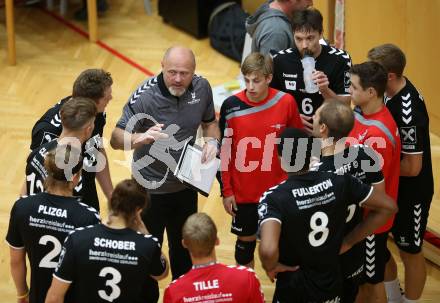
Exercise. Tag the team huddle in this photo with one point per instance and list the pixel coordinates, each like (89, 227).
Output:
(320, 177)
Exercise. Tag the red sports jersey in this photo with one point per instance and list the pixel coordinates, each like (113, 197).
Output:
(368, 129)
(215, 283)
(250, 163)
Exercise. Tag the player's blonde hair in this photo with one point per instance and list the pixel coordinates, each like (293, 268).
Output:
(257, 62)
(199, 235)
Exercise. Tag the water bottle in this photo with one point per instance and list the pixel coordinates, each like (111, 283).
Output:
(308, 63)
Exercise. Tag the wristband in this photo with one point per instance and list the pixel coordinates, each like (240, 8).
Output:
(23, 296)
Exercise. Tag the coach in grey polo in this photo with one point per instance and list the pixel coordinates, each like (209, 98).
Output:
(160, 116)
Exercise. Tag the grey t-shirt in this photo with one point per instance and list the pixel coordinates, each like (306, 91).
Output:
(153, 164)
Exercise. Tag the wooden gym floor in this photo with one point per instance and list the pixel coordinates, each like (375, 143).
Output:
(50, 55)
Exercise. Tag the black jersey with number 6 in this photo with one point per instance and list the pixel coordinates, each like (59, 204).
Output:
(361, 162)
(311, 209)
(109, 265)
(288, 75)
(49, 128)
(39, 224)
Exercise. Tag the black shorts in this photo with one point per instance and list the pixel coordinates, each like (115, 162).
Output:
(410, 225)
(245, 222)
(376, 257)
(352, 263)
(302, 287)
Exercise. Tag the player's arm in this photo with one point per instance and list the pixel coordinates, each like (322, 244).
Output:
(57, 291)
(123, 140)
(164, 274)
(411, 164)
(229, 202)
(104, 178)
(381, 207)
(268, 250)
(18, 272)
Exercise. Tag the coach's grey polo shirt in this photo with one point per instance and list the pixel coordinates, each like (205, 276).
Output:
(181, 117)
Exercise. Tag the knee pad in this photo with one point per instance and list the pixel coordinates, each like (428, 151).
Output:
(244, 251)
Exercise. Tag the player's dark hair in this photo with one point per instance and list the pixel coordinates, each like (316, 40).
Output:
(199, 234)
(127, 198)
(338, 117)
(257, 62)
(295, 149)
(91, 84)
(371, 74)
(390, 57)
(61, 164)
(77, 112)
(307, 20)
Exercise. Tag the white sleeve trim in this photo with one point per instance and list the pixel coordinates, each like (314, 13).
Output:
(60, 279)
(366, 198)
(14, 247)
(381, 181)
(411, 153)
(270, 219)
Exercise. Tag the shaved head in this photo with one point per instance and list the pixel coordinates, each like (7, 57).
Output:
(180, 53)
(178, 66)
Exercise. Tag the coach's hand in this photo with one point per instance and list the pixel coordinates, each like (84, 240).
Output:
(230, 205)
(210, 150)
(152, 134)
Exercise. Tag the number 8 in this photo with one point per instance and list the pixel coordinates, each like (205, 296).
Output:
(321, 228)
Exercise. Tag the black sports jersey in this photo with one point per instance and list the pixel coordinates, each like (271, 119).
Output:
(36, 173)
(39, 224)
(311, 209)
(409, 111)
(361, 162)
(288, 75)
(48, 128)
(117, 263)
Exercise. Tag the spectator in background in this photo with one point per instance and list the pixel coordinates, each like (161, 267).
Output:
(270, 27)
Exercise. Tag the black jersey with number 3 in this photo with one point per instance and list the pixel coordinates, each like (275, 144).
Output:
(49, 128)
(311, 209)
(109, 265)
(288, 75)
(409, 111)
(39, 224)
(361, 162)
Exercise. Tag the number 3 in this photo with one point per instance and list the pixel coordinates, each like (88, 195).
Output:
(112, 282)
(321, 228)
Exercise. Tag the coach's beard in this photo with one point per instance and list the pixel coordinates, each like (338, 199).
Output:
(176, 92)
